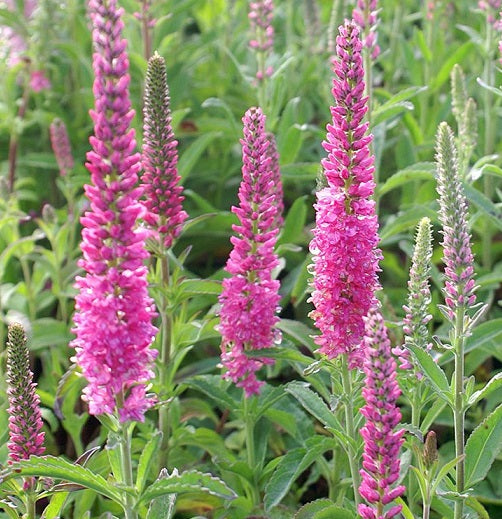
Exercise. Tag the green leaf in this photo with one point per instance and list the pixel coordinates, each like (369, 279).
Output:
(406, 220)
(491, 386)
(385, 112)
(201, 286)
(444, 471)
(298, 331)
(418, 171)
(214, 388)
(456, 57)
(312, 403)
(53, 509)
(192, 154)
(190, 481)
(294, 222)
(307, 511)
(58, 468)
(290, 467)
(482, 447)
(162, 507)
(484, 204)
(48, 332)
(432, 371)
(146, 459)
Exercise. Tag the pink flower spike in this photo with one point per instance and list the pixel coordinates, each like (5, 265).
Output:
(113, 318)
(261, 15)
(61, 146)
(365, 15)
(344, 247)
(162, 196)
(249, 300)
(25, 419)
(381, 441)
(38, 81)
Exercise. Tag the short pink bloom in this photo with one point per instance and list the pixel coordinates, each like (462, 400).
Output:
(61, 146)
(38, 81)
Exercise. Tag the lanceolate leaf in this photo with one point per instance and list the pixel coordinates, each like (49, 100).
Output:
(492, 385)
(291, 466)
(190, 481)
(482, 447)
(312, 403)
(146, 459)
(58, 468)
(432, 371)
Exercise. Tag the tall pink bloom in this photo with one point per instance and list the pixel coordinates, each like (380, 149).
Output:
(365, 14)
(25, 420)
(261, 14)
(113, 311)
(61, 146)
(249, 301)
(381, 441)
(163, 197)
(345, 257)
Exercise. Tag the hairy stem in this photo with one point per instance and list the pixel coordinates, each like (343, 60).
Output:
(350, 428)
(458, 410)
(165, 357)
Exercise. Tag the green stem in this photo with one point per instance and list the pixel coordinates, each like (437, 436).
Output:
(165, 357)
(486, 239)
(127, 475)
(32, 309)
(250, 448)
(31, 501)
(349, 424)
(458, 410)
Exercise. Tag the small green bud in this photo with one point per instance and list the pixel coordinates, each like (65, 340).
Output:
(430, 451)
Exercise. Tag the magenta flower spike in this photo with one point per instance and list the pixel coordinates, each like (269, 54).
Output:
(25, 419)
(162, 195)
(61, 146)
(113, 310)
(261, 14)
(365, 16)
(344, 247)
(250, 298)
(381, 441)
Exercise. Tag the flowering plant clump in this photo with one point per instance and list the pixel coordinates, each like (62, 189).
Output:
(113, 310)
(250, 297)
(344, 253)
(235, 363)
